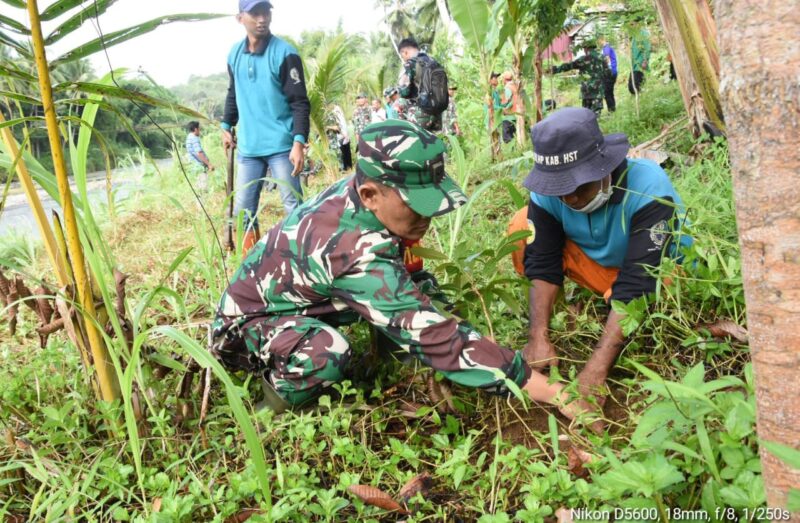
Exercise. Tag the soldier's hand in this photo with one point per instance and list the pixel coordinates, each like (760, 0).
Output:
(297, 157)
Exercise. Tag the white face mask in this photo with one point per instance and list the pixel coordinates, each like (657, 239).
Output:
(600, 199)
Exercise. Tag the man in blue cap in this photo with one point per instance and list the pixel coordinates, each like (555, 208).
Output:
(598, 218)
(267, 99)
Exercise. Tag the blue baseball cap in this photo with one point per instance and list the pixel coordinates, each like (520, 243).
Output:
(248, 5)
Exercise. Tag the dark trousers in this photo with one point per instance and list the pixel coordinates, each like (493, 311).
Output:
(347, 157)
(509, 130)
(608, 91)
(636, 80)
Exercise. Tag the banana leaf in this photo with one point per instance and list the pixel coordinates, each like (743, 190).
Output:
(123, 35)
(472, 17)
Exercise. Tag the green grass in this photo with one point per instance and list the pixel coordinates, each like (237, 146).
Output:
(681, 414)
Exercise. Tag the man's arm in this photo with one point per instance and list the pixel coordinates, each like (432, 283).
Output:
(231, 115)
(380, 289)
(405, 83)
(544, 266)
(201, 155)
(575, 64)
(650, 236)
(294, 88)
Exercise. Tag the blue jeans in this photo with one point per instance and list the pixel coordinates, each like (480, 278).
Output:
(250, 181)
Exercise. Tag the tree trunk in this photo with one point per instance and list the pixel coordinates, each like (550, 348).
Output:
(691, 35)
(760, 99)
(518, 104)
(537, 84)
(690, 91)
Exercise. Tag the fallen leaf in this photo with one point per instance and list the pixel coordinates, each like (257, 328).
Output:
(244, 515)
(576, 459)
(157, 505)
(564, 515)
(726, 329)
(439, 393)
(409, 409)
(376, 497)
(419, 483)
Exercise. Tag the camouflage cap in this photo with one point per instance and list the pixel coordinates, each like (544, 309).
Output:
(404, 156)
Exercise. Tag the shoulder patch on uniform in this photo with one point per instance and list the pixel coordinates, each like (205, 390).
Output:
(658, 233)
(294, 74)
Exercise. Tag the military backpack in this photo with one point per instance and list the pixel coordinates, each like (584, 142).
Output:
(431, 80)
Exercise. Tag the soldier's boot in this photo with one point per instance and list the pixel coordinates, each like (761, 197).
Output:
(250, 238)
(272, 400)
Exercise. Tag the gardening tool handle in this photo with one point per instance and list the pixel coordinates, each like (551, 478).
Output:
(229, 243)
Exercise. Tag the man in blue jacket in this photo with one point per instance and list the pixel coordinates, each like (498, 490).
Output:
(610, 79)
(267, 99)
(600, 219)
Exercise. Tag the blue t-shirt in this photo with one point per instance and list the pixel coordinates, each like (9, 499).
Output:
(609, 52)
(193, 148)
(266, 98)
(639, 223)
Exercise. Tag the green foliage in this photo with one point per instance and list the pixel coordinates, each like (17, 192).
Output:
(685, 436)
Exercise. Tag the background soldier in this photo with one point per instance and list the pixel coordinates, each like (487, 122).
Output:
(592, 67)
(407, 87)
(362, 116)
(450, 116)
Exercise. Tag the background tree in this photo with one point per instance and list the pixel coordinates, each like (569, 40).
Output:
(760, 98)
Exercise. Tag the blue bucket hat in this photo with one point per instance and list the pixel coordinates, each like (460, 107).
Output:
(569, 150)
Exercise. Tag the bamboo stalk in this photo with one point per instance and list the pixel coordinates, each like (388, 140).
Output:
(109, 385)
(37, 209)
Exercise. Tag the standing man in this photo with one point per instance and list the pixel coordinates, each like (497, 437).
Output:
(267, 98)
(378, 112)
(338, 136)
(610, 78)
(640, 60)
(362, 116)
(279, 317)
(592, 68)
(198, 159)
(600, 219)
(506, 105)
(391, 95)
(450, 116)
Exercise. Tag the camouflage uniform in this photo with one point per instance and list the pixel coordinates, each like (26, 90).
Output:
(592, 67)
(361, 118)
(333, 137)
(450, 117)
(408, 92)
(332, 262)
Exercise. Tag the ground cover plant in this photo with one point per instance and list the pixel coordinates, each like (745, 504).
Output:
(681, 414)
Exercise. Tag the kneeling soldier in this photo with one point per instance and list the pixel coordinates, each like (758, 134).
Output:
(339, 258)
